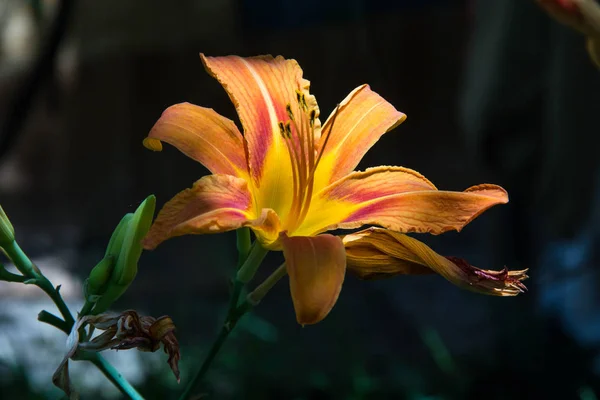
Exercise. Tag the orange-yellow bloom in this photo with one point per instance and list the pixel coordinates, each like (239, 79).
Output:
(290, 179)
(380, 253)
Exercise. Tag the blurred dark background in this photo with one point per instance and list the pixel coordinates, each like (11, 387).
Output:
(494, 92)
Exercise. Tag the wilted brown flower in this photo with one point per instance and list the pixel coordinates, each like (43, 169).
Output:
(123, 331)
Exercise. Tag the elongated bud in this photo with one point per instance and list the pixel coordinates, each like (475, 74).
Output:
(7, 232)
(116, 240)
(125, 247)
(97, 283)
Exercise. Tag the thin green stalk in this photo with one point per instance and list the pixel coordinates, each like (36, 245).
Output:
(31, 271)
(244, 245)
(87, 307)
(114, 376)
(233, 317)
(250, 266)
(43, 283)
(214, 350)
(35, 276)
(51, 319)
(261, 290)
(10, 277)
(250, 258)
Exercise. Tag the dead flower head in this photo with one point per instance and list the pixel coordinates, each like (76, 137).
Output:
(123, 331)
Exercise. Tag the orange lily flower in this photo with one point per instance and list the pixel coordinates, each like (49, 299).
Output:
(290, 179)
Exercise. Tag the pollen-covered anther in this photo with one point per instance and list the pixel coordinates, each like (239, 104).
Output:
(281, 129)
(288, 130)
(313, 116)
(290, 114)
(301, 100)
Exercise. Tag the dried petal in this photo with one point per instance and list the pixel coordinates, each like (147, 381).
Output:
(378, 253)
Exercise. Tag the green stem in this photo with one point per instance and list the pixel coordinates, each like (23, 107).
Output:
(87, 307)
(250, 266)
(43, 283)
(261, 290)
(235, 296)
(51, 319)
(216, 346)
(114, 376)
(9, 276)
(21, 261)
(29, 269)
(249, 261)
(243, 245)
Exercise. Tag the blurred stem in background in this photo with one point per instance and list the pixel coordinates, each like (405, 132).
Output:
(41, 70)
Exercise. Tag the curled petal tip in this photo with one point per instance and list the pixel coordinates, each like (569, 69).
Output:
(152, 144)
(491, 190)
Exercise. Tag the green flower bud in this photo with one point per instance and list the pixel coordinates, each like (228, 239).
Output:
(7, 232)
(125, 249)
(97, 283)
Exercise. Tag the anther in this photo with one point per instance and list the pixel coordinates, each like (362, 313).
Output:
(288, 108)
(288, 130)
(313, 116)
(281, 129)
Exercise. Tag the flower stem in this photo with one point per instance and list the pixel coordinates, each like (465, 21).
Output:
(250, 266)
(51, 319)
(114, 376)
(216, 346)
(10, 277)
(31, 271)
(35, 276)
(243, 245)
(261, 290)
(250, 258)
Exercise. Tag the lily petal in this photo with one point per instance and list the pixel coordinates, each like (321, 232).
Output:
(399, 199)
(216, 203)
(203, 135)
(380, 253)
(362, 118)
(316, 266)
(261, 88)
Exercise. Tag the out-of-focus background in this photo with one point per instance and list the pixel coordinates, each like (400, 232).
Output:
(495, 91)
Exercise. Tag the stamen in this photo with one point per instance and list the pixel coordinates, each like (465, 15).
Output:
(281, 129)
(288, 108)
(322, 149)
(288, 130)
(311, 179)
(313, 114)
(296, 180)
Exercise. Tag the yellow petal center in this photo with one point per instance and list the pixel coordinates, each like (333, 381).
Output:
(298, 133)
